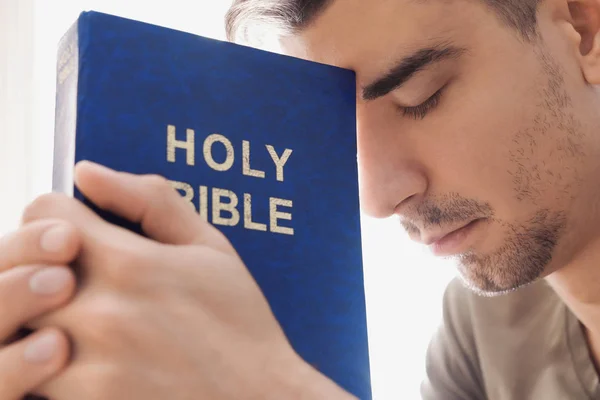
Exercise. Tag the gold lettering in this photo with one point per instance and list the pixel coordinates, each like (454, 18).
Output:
(275, 215)
(231, 207)
(208, 143)
(248, 223)
(188, 145)
(203, 206)
(279, 162)
(218, 206)
(246, 162)
(188, 191)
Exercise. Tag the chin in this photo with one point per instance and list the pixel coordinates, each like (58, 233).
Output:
(526, 254)
(488, 277)
(485, 290)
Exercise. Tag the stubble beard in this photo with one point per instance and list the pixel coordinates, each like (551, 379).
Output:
(528, 247)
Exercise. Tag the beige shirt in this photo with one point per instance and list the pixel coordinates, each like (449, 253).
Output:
(526, 345)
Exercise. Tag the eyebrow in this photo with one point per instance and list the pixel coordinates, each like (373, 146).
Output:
(407, 67)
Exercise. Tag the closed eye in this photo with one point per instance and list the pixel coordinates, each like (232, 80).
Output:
(421, 111)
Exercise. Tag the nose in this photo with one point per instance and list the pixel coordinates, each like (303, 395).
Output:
(389, 172)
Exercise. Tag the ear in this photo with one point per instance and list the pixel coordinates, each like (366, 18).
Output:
(585, 17)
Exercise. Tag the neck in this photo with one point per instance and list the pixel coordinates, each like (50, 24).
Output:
(578, 285)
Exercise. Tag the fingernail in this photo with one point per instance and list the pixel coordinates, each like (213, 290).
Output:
(42, 349)
(50, 280)
(54, 239)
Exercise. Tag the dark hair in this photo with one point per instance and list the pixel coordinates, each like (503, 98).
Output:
(290, 16)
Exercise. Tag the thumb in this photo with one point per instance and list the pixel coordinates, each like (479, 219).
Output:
(149, 200)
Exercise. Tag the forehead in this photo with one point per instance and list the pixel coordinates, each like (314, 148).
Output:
(356, 33)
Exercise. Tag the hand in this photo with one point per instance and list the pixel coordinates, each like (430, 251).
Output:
(176, 315)
(34, 280)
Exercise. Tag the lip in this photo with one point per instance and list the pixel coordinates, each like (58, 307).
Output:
(452, 242)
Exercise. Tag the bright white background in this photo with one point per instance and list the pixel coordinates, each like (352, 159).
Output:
(404, 284)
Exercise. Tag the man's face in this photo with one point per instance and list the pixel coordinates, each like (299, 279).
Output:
(475, 127)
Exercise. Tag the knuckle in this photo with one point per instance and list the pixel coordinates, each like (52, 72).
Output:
(125, 267)
(104, 318)
(44, 204)
(157, 184)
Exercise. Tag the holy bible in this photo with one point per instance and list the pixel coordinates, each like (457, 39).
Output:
(261, 144)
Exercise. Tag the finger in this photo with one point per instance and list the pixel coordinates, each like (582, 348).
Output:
(27, 292)
(96, 233)
(48, 241)
(149, 200)
(29, 363)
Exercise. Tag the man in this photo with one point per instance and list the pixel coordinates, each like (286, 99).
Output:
(478, 127)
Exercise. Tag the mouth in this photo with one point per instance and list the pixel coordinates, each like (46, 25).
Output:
(452, 242)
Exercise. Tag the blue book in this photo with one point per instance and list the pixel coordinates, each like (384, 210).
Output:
(263, 145)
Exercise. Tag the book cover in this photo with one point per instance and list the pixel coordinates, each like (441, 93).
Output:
(263, 145)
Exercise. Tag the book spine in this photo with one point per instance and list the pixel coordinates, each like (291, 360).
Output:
(68, 91)
(67, 79)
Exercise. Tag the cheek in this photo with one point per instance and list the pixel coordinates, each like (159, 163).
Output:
(500, 149)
